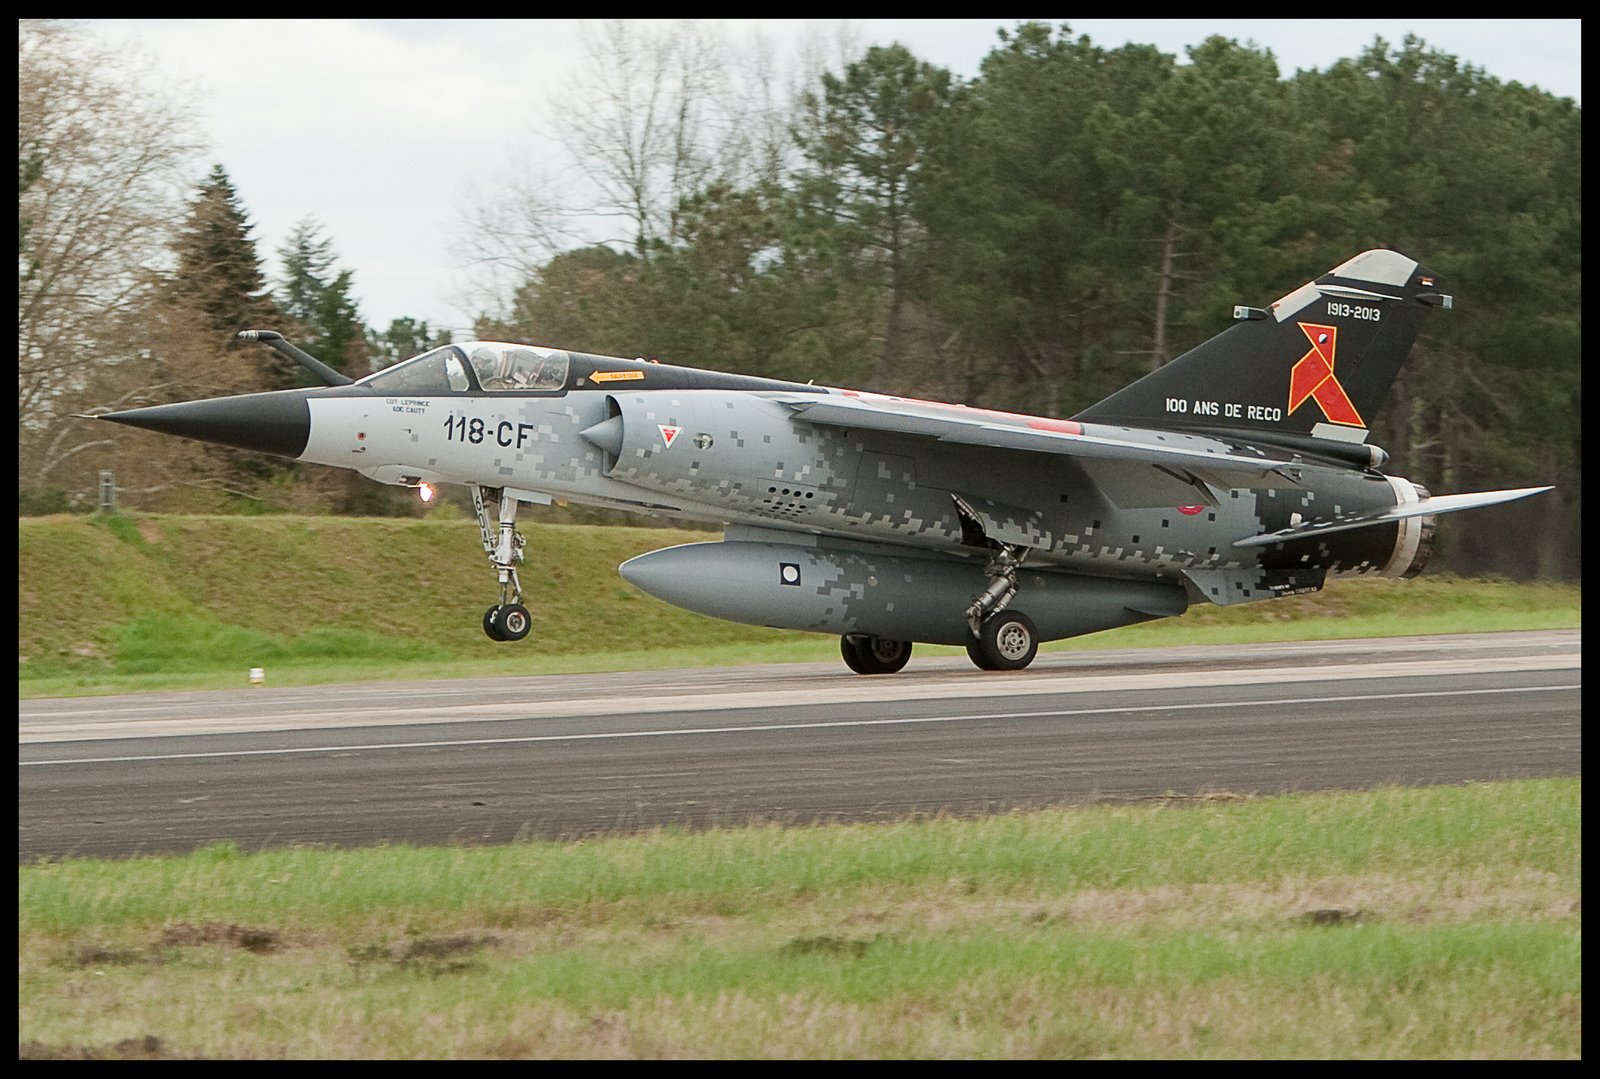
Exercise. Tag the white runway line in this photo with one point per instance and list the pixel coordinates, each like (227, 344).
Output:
(747, 728)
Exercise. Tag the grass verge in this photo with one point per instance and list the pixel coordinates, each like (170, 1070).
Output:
(1432, 922)
(196, 602)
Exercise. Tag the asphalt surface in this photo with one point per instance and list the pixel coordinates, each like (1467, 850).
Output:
(487, 760)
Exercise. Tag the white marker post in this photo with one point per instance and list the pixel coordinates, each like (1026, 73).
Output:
(258, 676)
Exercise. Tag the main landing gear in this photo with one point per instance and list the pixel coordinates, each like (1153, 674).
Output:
(873, 655)
(1001, 639)
(507, 620)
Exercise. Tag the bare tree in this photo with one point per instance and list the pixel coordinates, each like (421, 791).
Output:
(656, 115)
(512, 229)
(646, 124)
(768, 98)
(103, 148)
(641, 123)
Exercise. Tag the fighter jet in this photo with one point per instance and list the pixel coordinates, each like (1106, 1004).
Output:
(1241, 471)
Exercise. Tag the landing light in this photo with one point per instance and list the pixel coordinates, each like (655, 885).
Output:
(426, 491)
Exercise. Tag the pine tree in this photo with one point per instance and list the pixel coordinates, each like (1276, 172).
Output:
(864, 146)
(217, 289)
(318, 298)
(218, 275)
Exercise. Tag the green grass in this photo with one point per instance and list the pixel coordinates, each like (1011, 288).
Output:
(1524, 825)
(1432, 922)
(118, 604)
(1437, 922)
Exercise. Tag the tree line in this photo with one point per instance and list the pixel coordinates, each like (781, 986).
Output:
(1031, 238)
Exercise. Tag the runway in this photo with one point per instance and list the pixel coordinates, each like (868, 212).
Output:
(487, 760)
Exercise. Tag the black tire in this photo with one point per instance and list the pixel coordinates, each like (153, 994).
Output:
(490, 626)
(979, 660)
(873, 655)
(513, 621)
(1008, 642)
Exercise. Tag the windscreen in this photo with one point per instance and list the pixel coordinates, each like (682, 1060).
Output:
(443, 370)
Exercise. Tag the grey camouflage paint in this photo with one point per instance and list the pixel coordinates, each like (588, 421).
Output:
(745, 458)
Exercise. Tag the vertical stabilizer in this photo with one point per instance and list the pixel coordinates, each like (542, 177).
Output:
(1318, 363)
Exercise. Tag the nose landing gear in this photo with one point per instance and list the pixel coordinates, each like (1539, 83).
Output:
(507, 620)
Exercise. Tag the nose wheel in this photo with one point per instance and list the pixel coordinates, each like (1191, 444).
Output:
(510, 622)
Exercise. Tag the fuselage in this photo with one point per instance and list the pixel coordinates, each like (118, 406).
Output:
(701, 445)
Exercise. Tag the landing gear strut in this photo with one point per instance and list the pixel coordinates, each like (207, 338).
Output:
(1001, 640)
(1002, 574)
(507, 620)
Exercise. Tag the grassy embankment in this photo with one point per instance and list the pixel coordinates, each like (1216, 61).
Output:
(1432, 922)
(123, 604)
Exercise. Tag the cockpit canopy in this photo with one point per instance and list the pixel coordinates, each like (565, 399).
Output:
(477, 365)
(519, 367)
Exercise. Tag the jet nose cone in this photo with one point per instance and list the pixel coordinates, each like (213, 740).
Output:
(277, 423)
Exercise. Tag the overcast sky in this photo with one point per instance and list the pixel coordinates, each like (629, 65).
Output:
(382, 129)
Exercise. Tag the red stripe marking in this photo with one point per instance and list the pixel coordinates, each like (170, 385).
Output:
(1038, 423)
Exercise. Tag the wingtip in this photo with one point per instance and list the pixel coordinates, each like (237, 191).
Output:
(1514, 494)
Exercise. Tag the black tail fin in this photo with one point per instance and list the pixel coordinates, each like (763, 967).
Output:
(1317, 364)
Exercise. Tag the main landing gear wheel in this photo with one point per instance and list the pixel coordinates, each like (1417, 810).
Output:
(873, 655)
(510, 622)
(1007, 642)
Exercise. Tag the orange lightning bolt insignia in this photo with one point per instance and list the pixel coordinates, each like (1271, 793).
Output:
(1313, 377)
